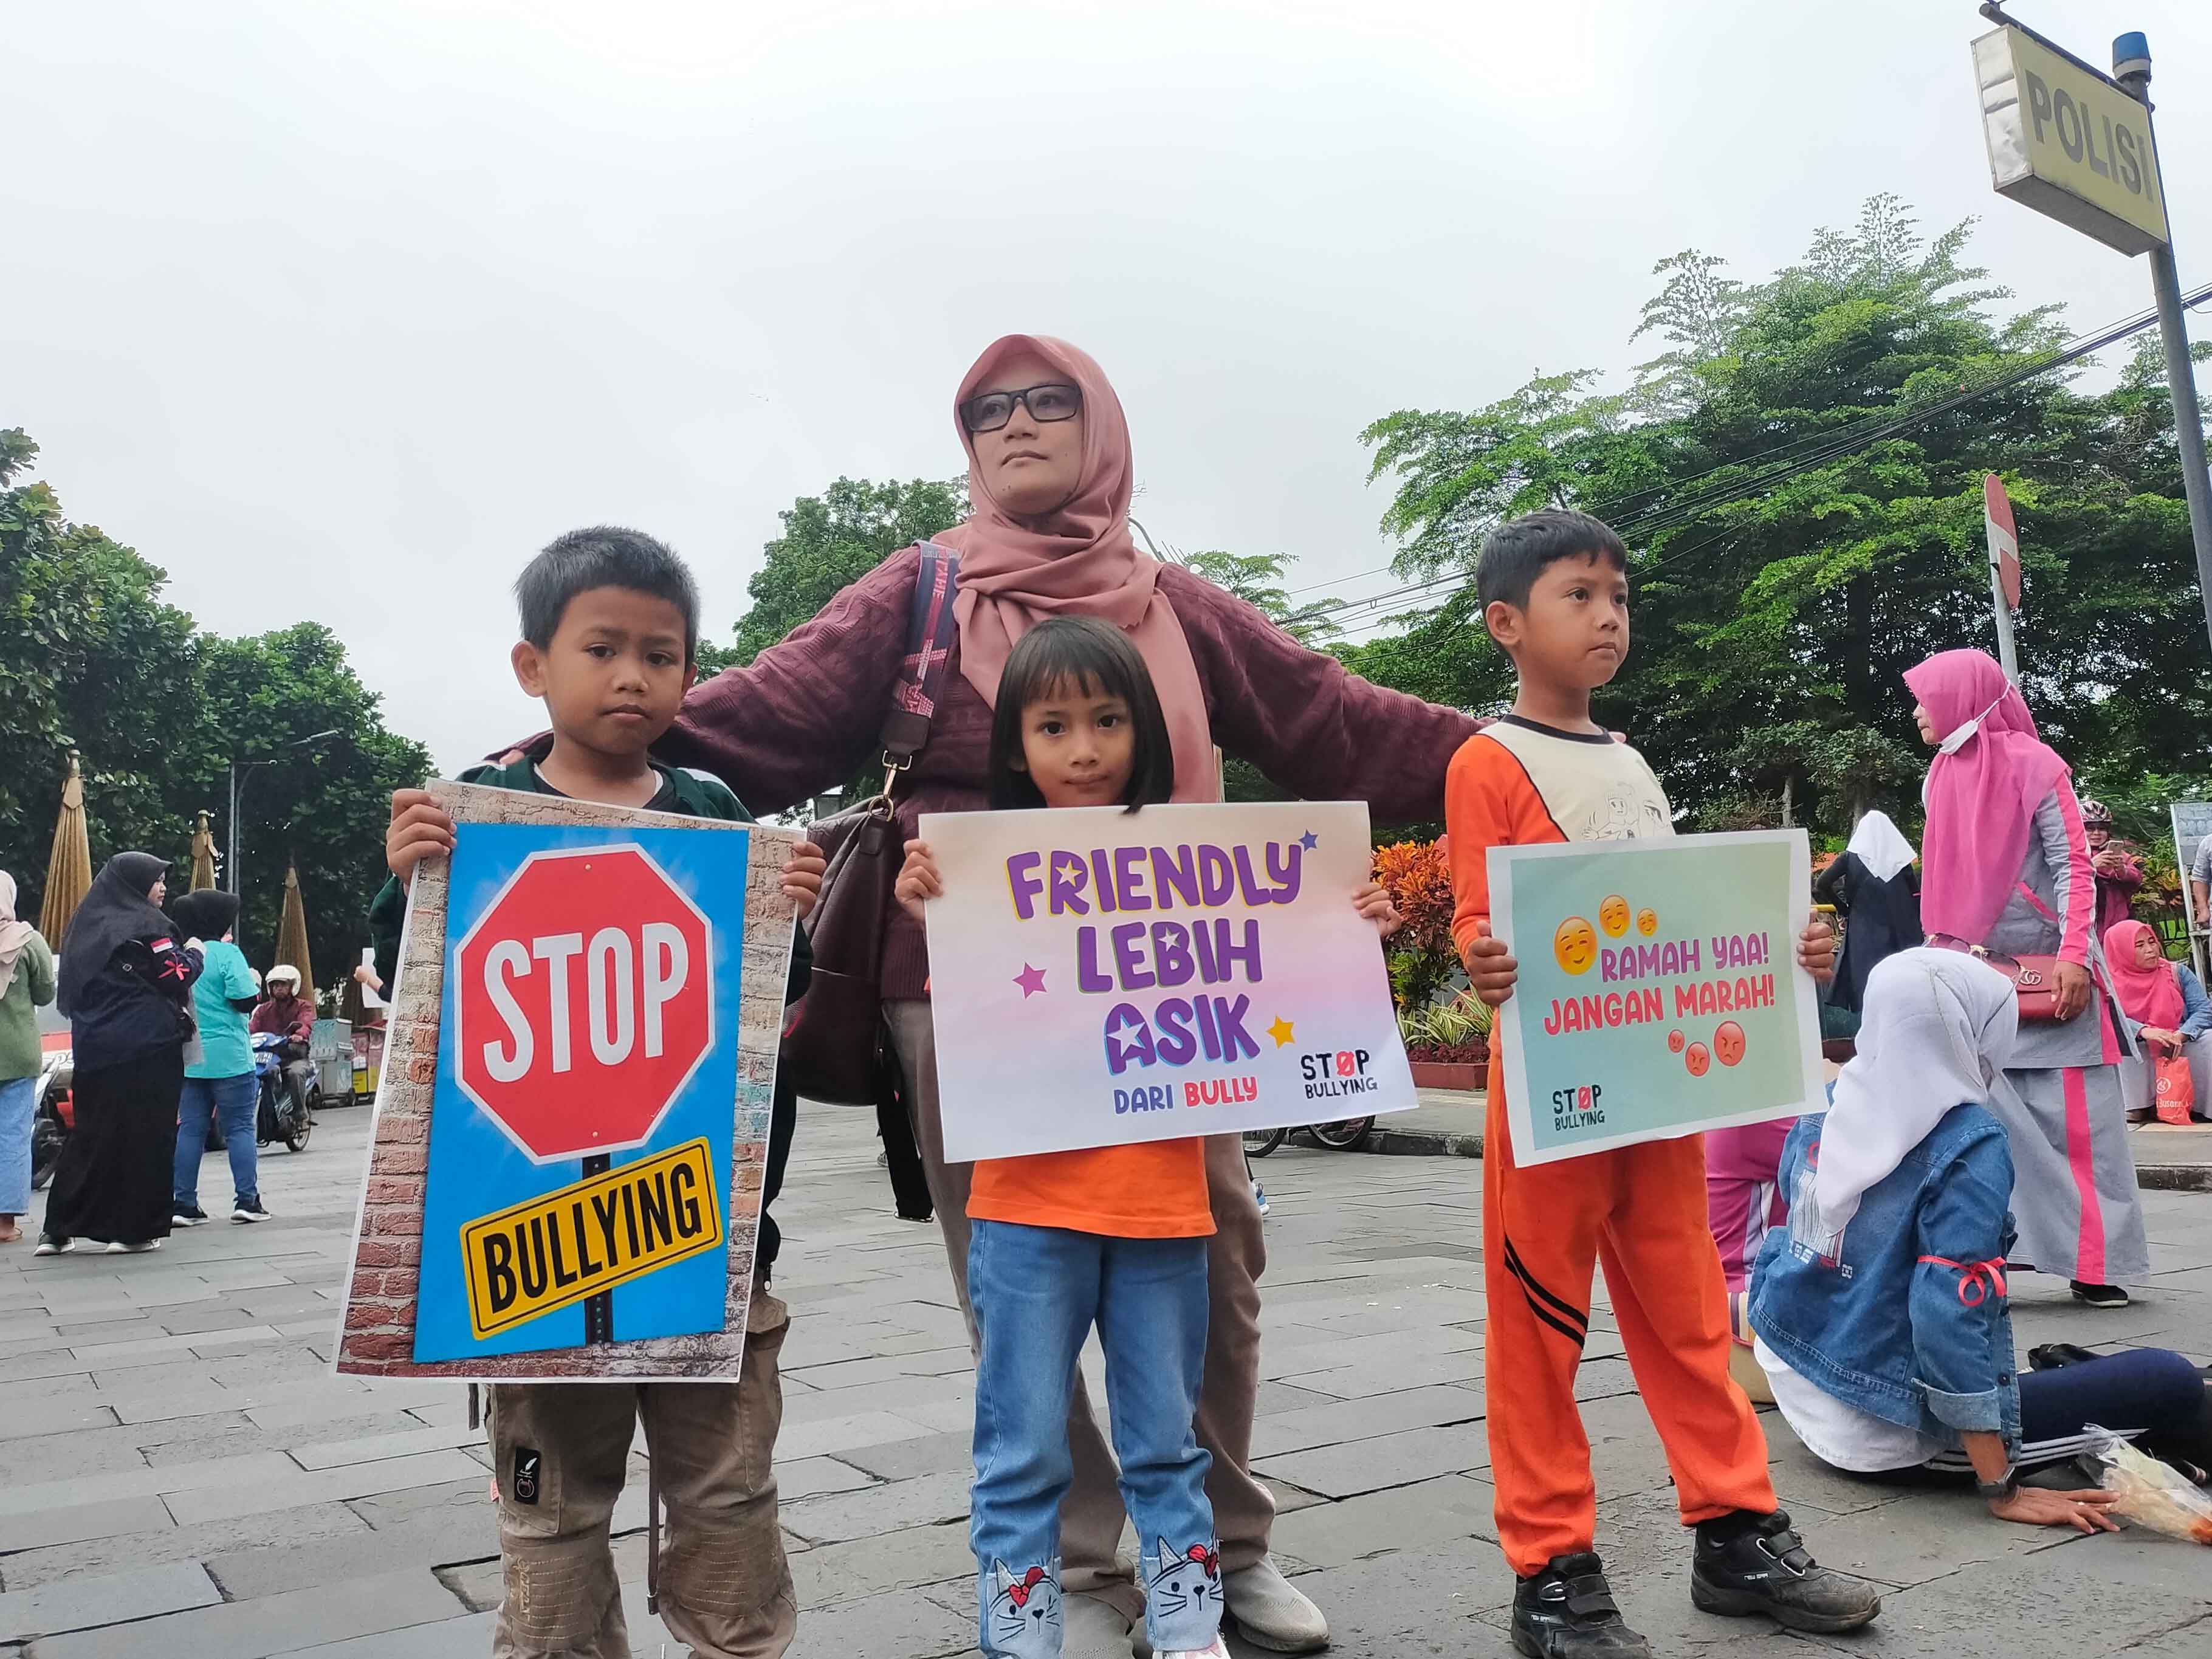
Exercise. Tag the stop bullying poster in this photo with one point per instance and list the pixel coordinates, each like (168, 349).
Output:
(566, 1167)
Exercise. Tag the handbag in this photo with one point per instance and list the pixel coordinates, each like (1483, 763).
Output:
(2034, 982)
(835, 1040)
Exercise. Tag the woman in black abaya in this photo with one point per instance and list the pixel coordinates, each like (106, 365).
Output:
(127, 985)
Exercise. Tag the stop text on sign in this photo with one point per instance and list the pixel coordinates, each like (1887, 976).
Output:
(620, 999)
(583, 1001)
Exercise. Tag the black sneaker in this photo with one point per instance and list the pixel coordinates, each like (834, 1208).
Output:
(188, 1215)
(1750, 1564)
(248, 1209)
(54, 1245)
(1567, 1611)
(2100, 1296)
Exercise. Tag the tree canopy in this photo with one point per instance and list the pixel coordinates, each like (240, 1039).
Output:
(830, 541)
(92, 657)
(1801, 494)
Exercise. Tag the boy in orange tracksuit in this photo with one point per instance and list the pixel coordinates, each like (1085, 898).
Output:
(1554, 593)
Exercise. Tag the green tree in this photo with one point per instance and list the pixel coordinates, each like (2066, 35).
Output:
(324, 807)
(1257, 579)
(829, 541)
(1803, 511)
(92, 657)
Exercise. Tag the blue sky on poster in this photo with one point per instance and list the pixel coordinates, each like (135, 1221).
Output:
(341, 312)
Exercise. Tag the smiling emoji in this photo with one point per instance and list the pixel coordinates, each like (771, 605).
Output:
(1613, 915)
(1574, 944)
(1647, 922)
(1697, 1059)
(1728, 1043)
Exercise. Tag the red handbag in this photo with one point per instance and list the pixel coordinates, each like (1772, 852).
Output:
(2034, 982)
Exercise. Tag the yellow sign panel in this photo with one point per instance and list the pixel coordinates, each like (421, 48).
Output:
(603, 1231)
(2067, 143)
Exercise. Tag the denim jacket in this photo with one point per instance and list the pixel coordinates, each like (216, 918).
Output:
(1911, 1324)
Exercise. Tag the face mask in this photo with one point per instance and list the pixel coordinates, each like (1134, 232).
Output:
(1958, 739)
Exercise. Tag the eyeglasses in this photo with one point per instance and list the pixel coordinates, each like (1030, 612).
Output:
(1051, 402)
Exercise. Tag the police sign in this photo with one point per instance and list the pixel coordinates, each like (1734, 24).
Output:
(2065, 141)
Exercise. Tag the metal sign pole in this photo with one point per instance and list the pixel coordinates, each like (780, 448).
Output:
(2131, 69)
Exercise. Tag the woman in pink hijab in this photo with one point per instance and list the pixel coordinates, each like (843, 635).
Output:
(1050, 472)
(2005, 868)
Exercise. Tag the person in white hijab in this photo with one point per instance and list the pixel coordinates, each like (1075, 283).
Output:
(1873, 888)
(1882, 1311)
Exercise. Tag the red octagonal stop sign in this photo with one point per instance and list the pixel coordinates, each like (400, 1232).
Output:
(584, 1002)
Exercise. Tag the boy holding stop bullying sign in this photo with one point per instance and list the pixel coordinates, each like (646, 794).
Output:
(609, 624)
(1554, 591)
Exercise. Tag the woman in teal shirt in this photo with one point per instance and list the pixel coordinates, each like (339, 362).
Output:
(221, 1082)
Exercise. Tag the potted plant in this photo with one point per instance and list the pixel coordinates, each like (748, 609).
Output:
(1449, 1042)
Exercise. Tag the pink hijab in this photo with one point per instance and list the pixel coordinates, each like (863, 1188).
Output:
(1981, 800)
(2148, 996)
(1079, 561)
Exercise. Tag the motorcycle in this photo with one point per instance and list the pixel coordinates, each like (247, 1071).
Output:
(286, 1109)
(1346, 1135)
(53, 1117)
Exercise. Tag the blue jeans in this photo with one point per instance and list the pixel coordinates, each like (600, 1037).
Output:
(19, 1098)
(237, 1100)
(1037, 1292)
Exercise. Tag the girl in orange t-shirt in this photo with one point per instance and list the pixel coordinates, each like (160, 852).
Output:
(1112, 1235)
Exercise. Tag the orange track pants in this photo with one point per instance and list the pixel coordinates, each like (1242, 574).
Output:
(1641, 1210)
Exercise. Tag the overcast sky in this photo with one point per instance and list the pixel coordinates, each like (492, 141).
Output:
(340, 312)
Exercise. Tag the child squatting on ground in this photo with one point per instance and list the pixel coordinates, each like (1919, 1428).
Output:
(609, 625)
(1113, 1236)
(1553, 587)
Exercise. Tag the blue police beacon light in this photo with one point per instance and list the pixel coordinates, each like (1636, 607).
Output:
(2130, 56)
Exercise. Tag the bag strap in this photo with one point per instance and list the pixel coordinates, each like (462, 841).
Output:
(929, 633)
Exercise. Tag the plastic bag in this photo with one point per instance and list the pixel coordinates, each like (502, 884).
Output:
(2153, 1495)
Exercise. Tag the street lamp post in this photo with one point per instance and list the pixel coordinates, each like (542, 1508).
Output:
(237, 791)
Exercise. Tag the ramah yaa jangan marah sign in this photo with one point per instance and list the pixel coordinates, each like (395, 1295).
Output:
(1101, 977)
(1659, 991)
(566, 1168)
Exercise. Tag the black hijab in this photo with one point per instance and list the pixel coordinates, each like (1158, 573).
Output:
(206, 916)
(116, 911)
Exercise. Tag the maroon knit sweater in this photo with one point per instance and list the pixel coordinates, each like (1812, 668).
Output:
(808, 711)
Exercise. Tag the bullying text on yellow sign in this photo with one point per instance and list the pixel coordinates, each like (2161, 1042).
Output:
(606, 1230)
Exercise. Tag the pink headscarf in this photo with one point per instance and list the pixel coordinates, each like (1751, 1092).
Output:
(1981, 801)
(2148, 996)
(1079, 561)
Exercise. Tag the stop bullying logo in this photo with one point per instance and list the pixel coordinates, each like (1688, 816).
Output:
(584, 1001)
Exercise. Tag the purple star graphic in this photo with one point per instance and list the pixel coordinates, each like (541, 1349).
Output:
(1308, 841)
(1031, 980)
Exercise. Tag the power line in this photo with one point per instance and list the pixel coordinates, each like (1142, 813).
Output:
(1361, 610)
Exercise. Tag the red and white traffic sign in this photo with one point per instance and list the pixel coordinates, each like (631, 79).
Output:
(584, 1001)
(2004, 538)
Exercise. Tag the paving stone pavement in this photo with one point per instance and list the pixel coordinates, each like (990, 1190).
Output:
(182, 1474)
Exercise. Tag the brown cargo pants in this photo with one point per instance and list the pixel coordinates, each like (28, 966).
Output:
(560, 1451)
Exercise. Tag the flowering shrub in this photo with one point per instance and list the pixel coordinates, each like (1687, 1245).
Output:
(1421, 953)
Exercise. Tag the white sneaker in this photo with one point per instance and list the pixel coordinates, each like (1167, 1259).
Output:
(118, 1248)
(49, 1245)
(1214, 1649)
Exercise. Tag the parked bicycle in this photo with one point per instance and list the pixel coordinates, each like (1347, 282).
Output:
(1346, 1135)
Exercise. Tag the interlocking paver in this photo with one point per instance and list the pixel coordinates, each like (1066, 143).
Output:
(369, 1536)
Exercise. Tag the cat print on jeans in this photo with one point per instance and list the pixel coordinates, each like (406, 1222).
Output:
(1024, 1616)
(1183, 1592)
